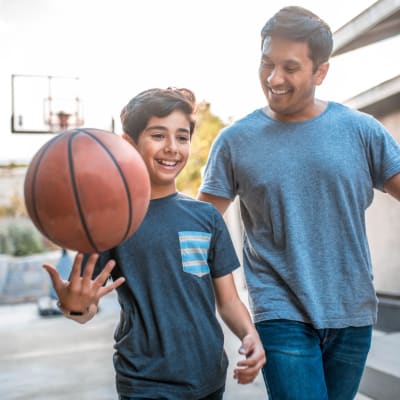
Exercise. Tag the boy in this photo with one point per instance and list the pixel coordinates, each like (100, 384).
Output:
(168, 274)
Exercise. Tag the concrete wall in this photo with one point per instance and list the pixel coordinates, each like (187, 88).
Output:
(22, 279)
(383, 227)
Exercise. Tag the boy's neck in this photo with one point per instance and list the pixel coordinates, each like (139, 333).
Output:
(158, 194)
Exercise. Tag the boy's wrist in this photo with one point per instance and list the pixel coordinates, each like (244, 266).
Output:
(66, 311)
(79, 316)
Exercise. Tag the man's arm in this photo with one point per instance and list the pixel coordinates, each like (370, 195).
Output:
(220, 203)
(236, 316)
(392, 186)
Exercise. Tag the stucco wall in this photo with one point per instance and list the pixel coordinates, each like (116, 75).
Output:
(383, 228)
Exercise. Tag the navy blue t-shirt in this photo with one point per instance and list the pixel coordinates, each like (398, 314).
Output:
(169, 343)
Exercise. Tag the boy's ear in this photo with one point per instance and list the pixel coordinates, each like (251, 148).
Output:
(129, 139)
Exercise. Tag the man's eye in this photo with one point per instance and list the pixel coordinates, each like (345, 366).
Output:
(267, 64)
(157, 135)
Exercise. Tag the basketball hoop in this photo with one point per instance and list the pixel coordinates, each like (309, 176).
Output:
(68, 114)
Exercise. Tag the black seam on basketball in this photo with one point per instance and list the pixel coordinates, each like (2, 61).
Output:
(75, 189)
(128, 195)
(33, 189)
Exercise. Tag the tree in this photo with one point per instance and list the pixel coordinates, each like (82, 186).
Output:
(207, 127)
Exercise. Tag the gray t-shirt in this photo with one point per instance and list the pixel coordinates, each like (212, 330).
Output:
(169, 343)
(304, 188)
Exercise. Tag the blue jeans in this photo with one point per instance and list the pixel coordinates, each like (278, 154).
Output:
(213, 396)
(304, 363)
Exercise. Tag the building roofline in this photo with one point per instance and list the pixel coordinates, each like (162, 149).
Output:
(378, 100)
(379, 21)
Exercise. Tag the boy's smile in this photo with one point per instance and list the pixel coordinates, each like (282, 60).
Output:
(165, 146)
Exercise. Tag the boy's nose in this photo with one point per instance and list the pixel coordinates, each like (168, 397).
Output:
(171, 146)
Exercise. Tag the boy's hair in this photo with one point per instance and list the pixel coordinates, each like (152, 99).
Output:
(301, 25)
(159, 103)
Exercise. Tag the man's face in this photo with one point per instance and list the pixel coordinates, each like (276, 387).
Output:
(288, 79)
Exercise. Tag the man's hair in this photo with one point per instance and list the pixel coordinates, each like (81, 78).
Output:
(156, 103)
(301, 25)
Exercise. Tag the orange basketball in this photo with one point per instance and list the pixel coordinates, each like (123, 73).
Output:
(87, 190)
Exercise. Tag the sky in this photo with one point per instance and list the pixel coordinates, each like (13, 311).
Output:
(120, 47)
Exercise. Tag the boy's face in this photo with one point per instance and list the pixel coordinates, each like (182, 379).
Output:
(165, 146)
(288, 78)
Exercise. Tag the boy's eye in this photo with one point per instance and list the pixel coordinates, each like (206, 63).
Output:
(184, 139)
(157, 135)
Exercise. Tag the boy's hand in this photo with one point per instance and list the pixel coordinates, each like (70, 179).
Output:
(80, 292)
(248, 369)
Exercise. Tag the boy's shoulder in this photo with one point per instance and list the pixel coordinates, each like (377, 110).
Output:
(193, 203)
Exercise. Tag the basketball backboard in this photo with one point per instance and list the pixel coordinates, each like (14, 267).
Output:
(45, 104)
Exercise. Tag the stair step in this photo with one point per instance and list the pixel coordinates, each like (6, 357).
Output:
(381, 379)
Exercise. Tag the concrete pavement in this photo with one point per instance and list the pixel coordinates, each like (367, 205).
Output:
(54, 358)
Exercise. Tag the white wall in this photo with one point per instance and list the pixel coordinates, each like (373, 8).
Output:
(383, 228)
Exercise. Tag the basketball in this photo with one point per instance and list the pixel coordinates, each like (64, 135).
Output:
(87, 190)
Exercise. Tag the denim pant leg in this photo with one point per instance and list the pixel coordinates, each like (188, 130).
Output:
(304, 363)
(294, 368)
(345, 353)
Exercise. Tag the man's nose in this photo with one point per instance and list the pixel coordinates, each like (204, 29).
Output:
(275, 77)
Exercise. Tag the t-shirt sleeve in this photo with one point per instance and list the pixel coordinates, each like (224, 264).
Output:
(218, 178)
(222, 257)
(384, 155)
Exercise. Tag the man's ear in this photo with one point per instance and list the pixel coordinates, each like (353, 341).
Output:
(321, 73)
(129, 139)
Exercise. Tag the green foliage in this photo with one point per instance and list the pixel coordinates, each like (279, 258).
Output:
(207, 128)
(20, 238)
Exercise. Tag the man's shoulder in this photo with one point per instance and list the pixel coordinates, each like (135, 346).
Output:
(247, 123)
(349, 112)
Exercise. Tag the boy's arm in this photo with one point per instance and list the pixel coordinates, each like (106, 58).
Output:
(80, 295)
(236, 316)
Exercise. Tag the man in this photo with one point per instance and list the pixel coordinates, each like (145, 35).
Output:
(304, 171)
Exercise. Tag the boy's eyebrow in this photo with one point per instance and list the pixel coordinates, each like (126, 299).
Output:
(156, 127)
(163, 128)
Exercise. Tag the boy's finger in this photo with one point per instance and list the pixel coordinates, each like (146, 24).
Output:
(101, 279)
(89, 267)
(76, 268)
(54, 275)
(109, 288)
